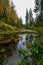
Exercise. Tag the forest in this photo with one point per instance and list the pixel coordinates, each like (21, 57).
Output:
(21, 44)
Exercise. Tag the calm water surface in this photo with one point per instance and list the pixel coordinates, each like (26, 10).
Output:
(13, 54)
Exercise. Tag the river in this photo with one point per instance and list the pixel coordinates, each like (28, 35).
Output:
(12, 55)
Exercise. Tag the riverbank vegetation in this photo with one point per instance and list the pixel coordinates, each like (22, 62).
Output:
(37, 23)
(9, 20)
(36, 54)
(11, 24)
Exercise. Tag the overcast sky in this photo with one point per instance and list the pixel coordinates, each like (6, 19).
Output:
(21, 6)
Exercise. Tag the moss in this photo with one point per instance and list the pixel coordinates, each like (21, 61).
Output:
(28, 44)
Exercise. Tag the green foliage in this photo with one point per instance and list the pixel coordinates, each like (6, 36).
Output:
(27, 18)
(9, 20)
(39, 62)
(37, 53)
(8, 13)
(37, 6)
(39, 16)
(5, 27)
(25, 55)
(23, 62)
(30, 17)
(28, 44)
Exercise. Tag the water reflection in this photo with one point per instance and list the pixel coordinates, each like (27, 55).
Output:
(22, 43)
(13, 54)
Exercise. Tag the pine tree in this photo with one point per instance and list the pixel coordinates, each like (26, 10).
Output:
(3, 7)
(30, 17)
(39, 12)
(37, 6)
(27, 18)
